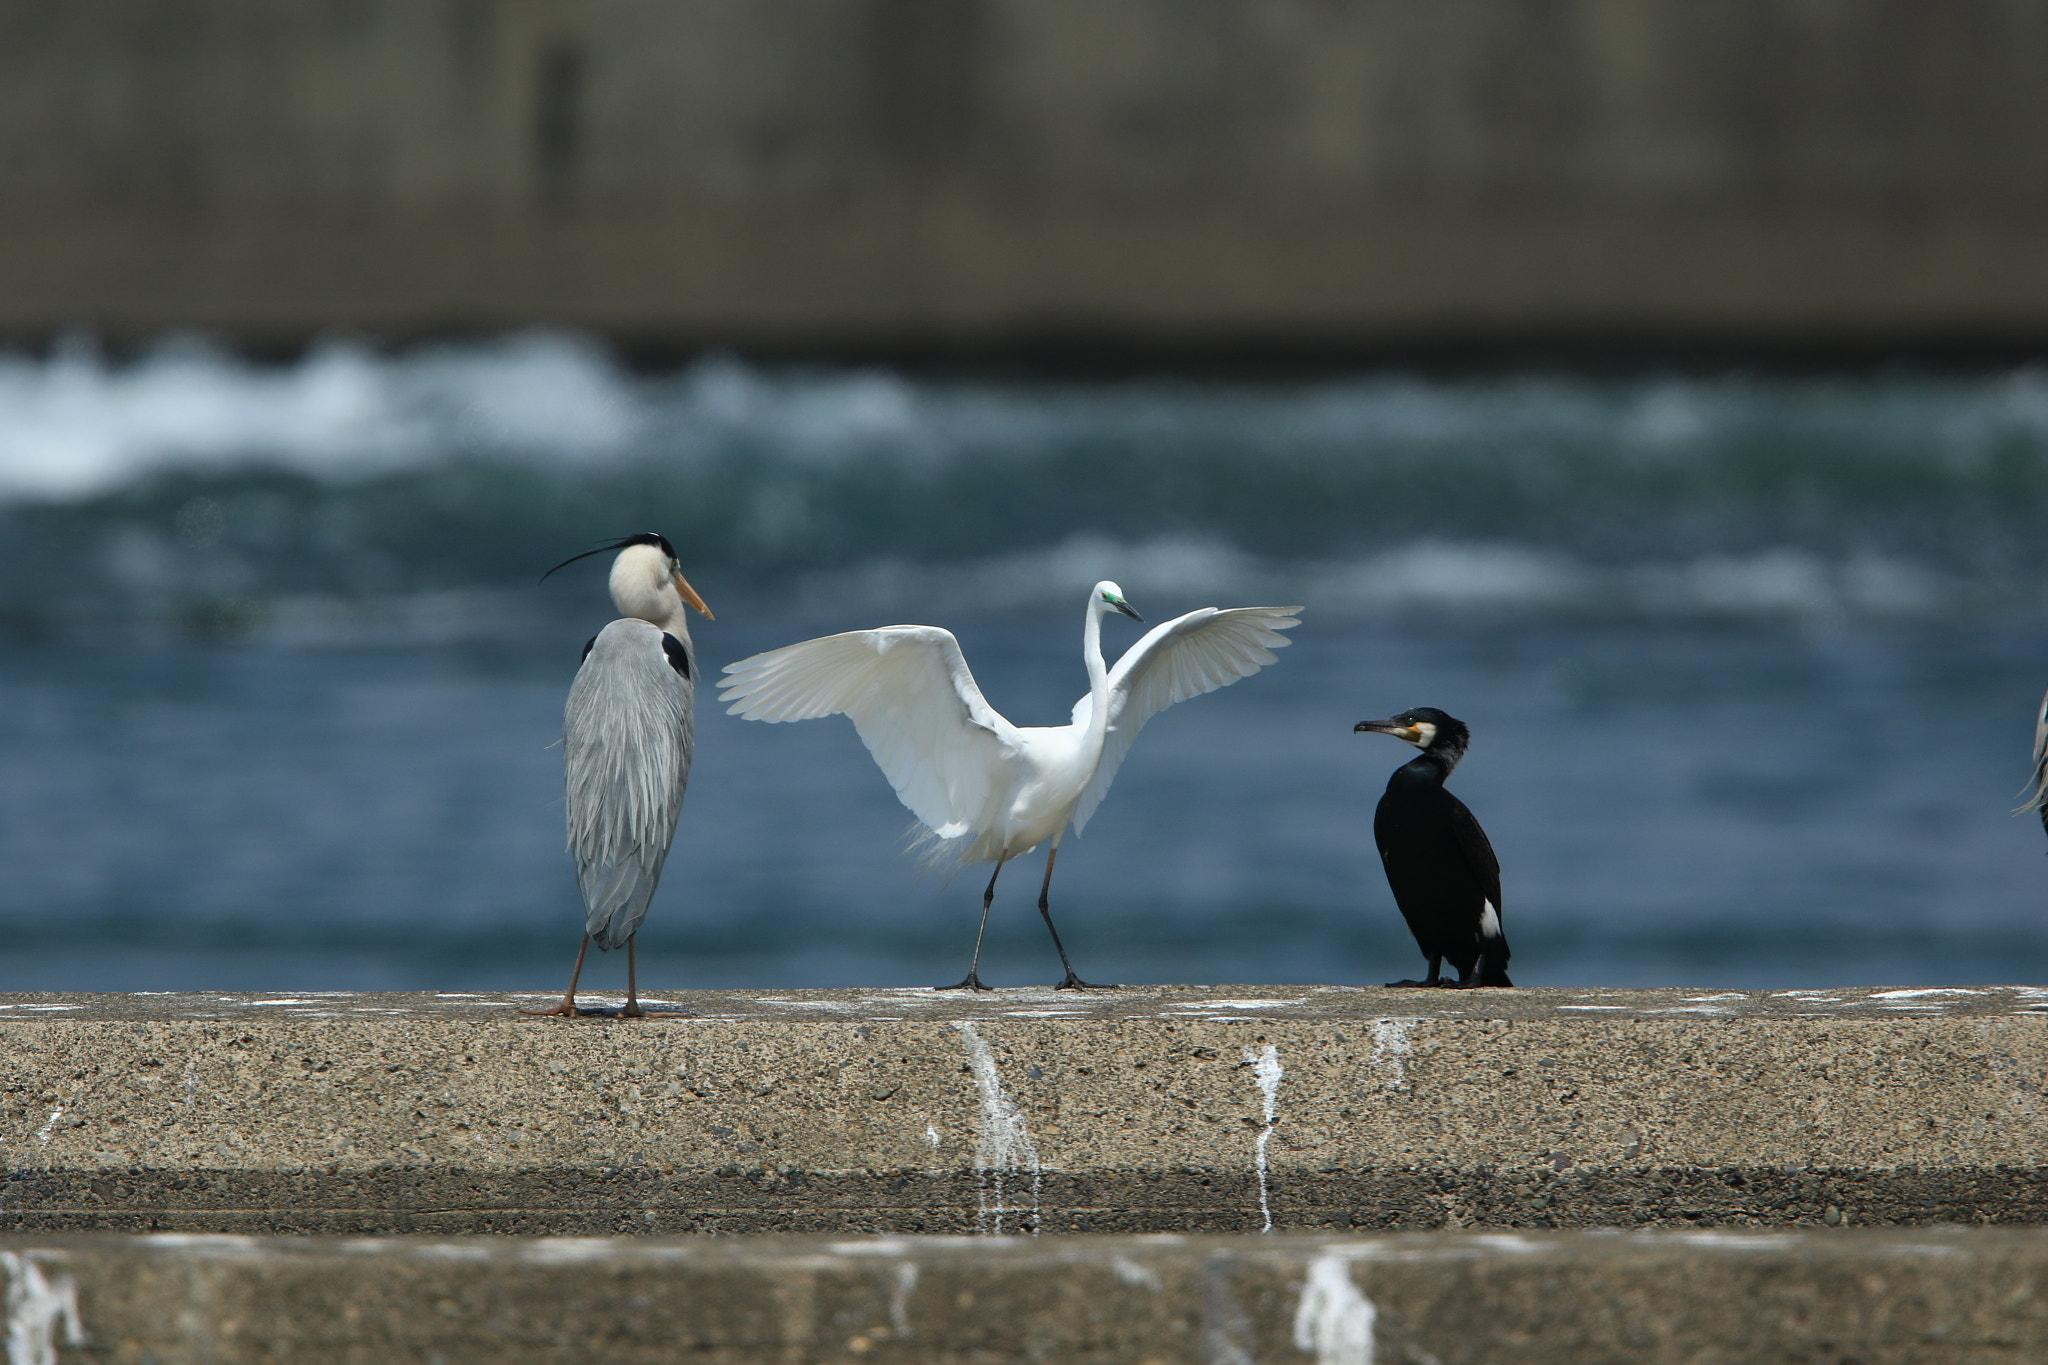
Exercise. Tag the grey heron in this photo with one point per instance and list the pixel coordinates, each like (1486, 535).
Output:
(2037, 789)
(1442, 870)
(984, 789)
(626, 736)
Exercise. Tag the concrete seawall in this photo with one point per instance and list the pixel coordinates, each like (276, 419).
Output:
(1147, 1110)
(980, 172)
(1943, 1297)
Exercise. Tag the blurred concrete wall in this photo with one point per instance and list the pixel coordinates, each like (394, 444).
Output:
(886, 172)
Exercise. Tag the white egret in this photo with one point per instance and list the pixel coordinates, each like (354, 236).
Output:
(987, 790)
(626, 736)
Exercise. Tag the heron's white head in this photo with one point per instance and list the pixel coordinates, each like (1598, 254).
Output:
(1109, 597)
(647, 582)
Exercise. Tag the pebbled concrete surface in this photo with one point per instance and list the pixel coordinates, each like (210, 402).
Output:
(1952, 1296)
(1155, 1109)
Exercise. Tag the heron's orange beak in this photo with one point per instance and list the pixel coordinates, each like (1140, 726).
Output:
(690, 595)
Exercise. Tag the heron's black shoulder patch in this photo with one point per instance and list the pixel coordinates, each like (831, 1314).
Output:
(588, 645)
(678, 657)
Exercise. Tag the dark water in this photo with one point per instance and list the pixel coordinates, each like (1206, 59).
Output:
(1733, 805)
(1751, 664)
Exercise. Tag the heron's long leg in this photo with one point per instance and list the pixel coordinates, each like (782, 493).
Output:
(973, 981)
(632, 1010)
(567, 1009)
(1044, 889)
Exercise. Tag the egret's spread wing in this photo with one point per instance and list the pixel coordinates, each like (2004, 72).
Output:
(626, 736)
(909, 693)
(1478, 851)
(1175, 660)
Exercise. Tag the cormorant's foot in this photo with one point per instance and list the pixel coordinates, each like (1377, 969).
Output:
(1075, 983)
(1414, 983)
(972, 983)
(566, 1010)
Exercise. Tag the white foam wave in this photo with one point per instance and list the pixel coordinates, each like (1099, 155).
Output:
(73, 425)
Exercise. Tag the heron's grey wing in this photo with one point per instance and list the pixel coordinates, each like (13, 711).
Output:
(626, 739)
(2037, 790)
(1185, 657)
(910, 694)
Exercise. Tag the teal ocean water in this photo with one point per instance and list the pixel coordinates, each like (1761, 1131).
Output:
(1751, 663)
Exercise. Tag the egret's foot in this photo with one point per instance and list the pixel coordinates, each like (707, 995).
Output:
(972, 983)
(1075, 983)
(566, 1010)
(632, 1011)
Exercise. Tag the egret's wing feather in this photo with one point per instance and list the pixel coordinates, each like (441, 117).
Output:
(1185, 657)
(626, 741)
(911, 696)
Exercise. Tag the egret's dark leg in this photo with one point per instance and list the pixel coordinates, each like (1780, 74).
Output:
(973, 981)
(1435, 977)
(567, 1009)
(632, 1010)
(1072, 982)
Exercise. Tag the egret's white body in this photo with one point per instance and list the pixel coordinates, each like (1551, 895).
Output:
(987, 790)
(626, 743)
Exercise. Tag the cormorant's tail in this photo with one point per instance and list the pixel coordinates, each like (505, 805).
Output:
(1493, 964)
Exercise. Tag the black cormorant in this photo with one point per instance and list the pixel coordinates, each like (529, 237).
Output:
(1443, 872)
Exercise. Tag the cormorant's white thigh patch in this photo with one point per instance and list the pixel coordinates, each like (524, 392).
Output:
(1489, 921)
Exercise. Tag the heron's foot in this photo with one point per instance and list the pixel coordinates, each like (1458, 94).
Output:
(972, 983)
(566, 1010)
(1075, 983)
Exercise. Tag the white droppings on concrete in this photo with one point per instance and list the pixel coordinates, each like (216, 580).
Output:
(931, 1135)
(1592, 1007)
(37, 1305)
(899, 1300)
(1914, 995)
(1266, 1074)
(1724, 995)
(1131, 1273)
(1005, 1145)
(1237, 1004)
(878, 1246)
(1692, 1009)
(1334, 1320)
(1391, 1042)
(568, 1250)
(53, 1007)
(1733, 1241)
(49, 1124)
(200, 1241)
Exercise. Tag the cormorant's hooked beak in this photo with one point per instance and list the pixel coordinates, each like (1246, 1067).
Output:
(689, 595)
(1126, 609)
(1396, 728)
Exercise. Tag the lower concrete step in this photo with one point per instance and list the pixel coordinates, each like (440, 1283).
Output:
(1954, 1296)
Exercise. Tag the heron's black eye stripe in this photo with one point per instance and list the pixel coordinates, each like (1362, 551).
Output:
(678, 657)
(588, 645)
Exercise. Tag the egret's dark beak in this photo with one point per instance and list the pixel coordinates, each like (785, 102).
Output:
(690, 595)
(1125, 608)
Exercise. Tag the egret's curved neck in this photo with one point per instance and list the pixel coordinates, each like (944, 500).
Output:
(1098, 675)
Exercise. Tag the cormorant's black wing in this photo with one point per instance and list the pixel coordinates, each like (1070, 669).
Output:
(1478, 852)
